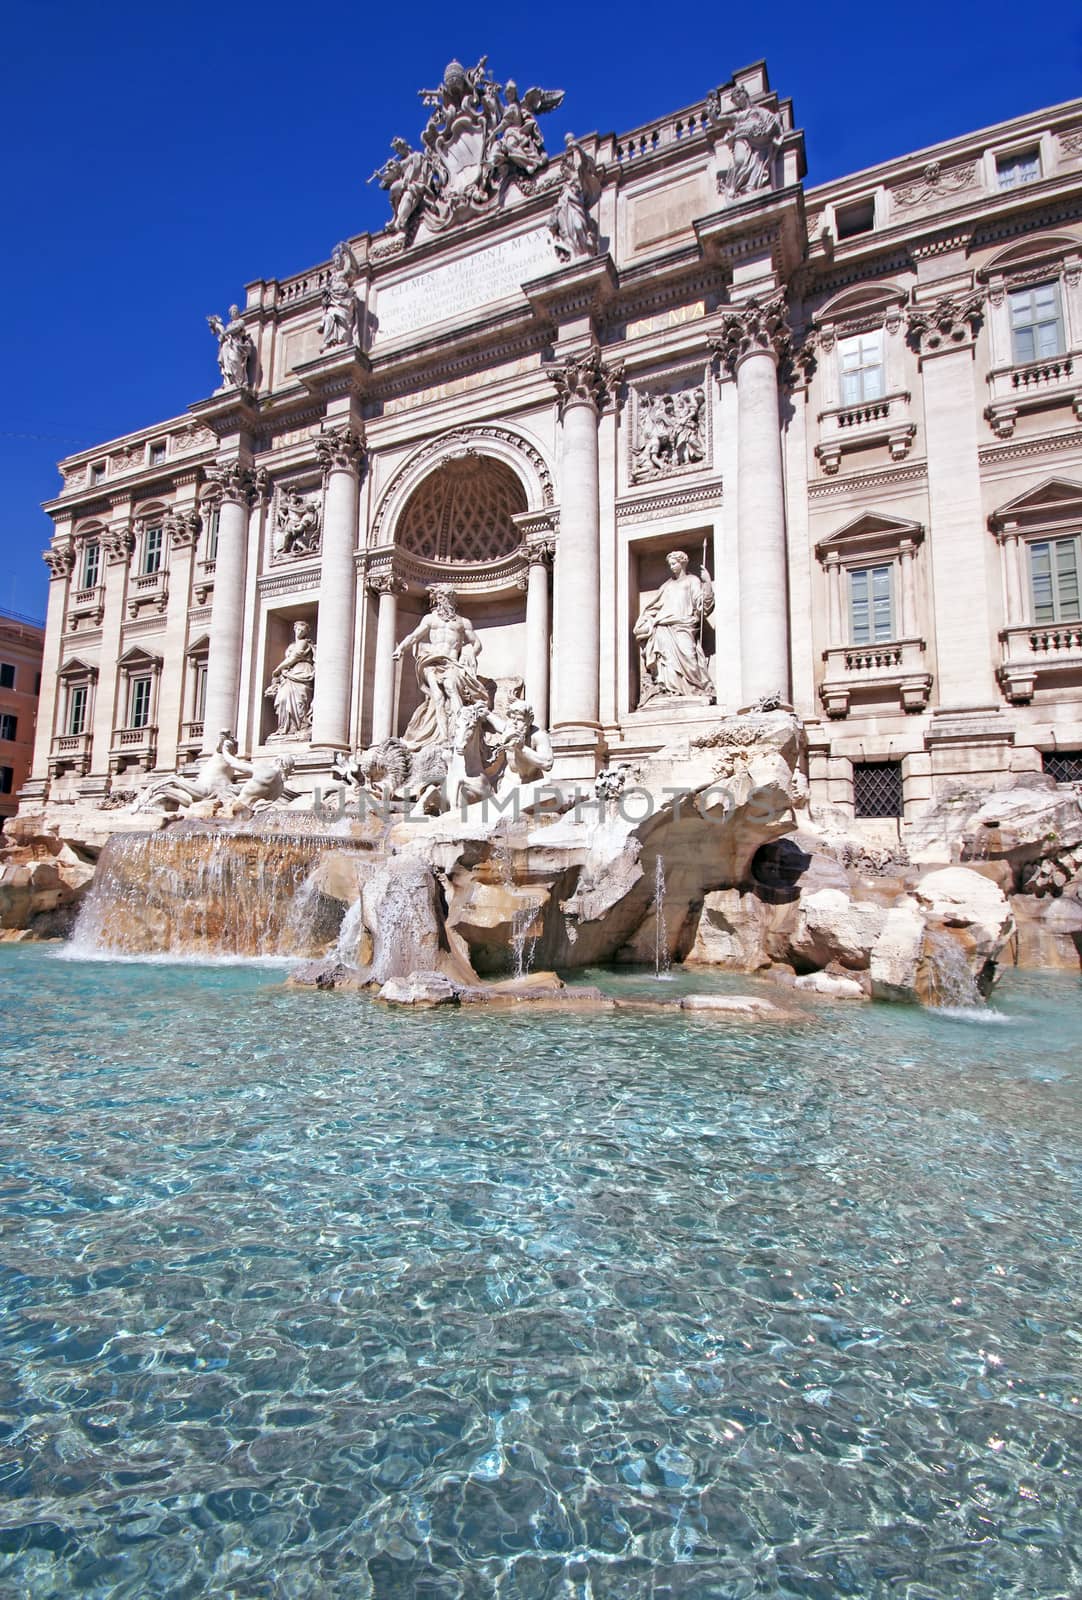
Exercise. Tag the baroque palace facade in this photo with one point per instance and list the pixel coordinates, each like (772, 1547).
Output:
(857, 408)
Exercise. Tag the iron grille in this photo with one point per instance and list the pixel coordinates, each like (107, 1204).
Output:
(877, 788)
(1063, 765)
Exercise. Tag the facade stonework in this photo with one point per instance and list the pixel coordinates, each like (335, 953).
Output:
(854, 411)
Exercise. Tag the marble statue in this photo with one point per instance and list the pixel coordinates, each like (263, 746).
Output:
(479, 136)
(298, 525)
(266, 786)
(754, 137)
(217, 778)
(574, 231)
(236, 352)
(523, 749)
(405, 175)
(340, 324)
(669, 630)
(291, 684)
(445, 650)
(669, 432)
(393, 771)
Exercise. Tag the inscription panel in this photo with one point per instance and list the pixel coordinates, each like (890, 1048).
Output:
(456, 288)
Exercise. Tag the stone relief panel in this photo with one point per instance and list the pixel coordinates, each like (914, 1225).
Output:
(297, 523)
(669, 427)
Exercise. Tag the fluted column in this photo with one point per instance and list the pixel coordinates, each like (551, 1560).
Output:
(538, 648)
(754, 337)
(388, 588)
(230, 487)
(583, 385)
(341, 455)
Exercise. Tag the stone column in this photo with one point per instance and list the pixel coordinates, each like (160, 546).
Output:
(230, 488)
(341, 455)
(182, 528)
(61, 563)
(944, 332)
(754, 337)
(907, 618)
(583, 385)
(388, 588)
(836, 632)
(1012, 557)
(538, 647)
(117, 545)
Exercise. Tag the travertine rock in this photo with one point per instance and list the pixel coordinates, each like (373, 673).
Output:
(832, 927)
(896, 954)
(419, 989)
(826, 983)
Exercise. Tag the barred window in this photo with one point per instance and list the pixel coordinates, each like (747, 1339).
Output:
(877, 788)
(1065, 766)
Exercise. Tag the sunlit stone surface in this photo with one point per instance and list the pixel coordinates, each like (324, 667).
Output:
(480, 1304)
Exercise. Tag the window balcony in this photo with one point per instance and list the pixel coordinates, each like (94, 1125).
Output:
(895, 668)
(147, 589)
(86, 607)
(133, 747)
(70, 750)
(886, 421)
(1033, 386)
(1039, 655)
(191, 738)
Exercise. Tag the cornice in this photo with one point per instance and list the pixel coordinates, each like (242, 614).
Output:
(646, 507)
(1018, 449)
(857, 482)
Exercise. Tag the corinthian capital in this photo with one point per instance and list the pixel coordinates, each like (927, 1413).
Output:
(228, 481)
(585, 377)
(339, 450)
(60, 560)
(118, 544)
(183, 528)
(947, 324)
(385, 583)
(754, 327)
(538, 552)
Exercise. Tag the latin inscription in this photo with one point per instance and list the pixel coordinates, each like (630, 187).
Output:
(459, 287)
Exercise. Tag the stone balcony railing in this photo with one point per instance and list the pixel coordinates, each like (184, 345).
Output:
(133, 747)
(1033, 386)
(147, 589)
(191, 737)
(875, 671)
(1047, 651)
(886, 421)
(86, 606)
(70, 750)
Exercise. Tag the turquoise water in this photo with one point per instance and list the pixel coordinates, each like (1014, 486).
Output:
(302, 1299)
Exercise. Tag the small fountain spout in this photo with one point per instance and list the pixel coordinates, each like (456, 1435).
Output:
(662, 958)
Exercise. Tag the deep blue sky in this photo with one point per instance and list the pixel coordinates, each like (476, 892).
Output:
(161, 156)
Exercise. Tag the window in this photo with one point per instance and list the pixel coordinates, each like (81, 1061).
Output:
(856, 218)
(152, 550)
(91, 566)
(139, 703)
(77, 699)
(7, 675)
(1063, 765)
(1017, 168)
(199, 709)
(212, 534)
(7, 779)
(871, 604)
(1053, 576)
(877, 788)
(157, 452)
(97, 471)
(8, 725)
(861, 359)
(1036, 324)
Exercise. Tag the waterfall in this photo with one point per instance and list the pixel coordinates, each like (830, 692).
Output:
(524, 937)
(205, 891)
(347, 949)
(950, 983)
(662, 958)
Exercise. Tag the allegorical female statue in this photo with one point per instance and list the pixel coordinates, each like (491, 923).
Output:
(669, 630)
(291, 684)
(236, 352)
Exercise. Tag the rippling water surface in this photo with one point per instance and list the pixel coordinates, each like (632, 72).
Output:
(306, 1300)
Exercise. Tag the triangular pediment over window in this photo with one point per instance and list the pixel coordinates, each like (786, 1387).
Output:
(199, 647)
(134, 657)
(871, 534)
(1055, 503)
(79, 670)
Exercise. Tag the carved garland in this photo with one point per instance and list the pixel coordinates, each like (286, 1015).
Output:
(948, 324)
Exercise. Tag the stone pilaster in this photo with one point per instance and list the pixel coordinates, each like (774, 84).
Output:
(539, 555)
(230, 488)
(117, 545)
(755, 337)
(60, 559)
(583, 385)
(341, 455)
(944, 333)
(387, 588)
(182, 528)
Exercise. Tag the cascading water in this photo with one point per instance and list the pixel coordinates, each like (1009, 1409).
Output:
(950, 983)
(205, 891)
(662, 957)
(524, 936)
